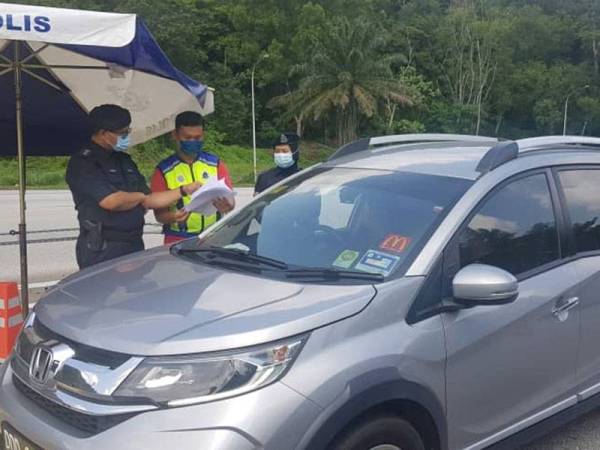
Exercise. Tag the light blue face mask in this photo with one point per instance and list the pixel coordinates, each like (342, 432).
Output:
(284, 160)
(122, 144)
(192, 147)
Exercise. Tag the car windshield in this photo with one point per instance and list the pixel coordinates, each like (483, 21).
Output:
(340, 223)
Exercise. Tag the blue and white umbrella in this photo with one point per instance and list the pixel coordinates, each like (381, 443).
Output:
(57, 64)
(70, 61)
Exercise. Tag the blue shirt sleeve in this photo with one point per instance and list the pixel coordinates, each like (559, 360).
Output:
(86, 179)
(143, 184)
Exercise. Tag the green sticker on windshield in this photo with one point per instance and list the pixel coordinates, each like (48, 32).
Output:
(346, 259)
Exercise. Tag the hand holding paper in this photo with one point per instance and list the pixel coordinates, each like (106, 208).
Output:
(189, 189)
(211, 191)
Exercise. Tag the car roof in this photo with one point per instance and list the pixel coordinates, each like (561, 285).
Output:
(456, 156)
(451, 159)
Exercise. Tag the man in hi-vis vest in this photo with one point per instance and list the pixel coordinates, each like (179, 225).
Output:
(188, 164)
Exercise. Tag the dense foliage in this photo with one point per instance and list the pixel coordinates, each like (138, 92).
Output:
(337, 69)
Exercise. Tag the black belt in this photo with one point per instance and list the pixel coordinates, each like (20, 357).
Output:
(96, 231)
(122, 236)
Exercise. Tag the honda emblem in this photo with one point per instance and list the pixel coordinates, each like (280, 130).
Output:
(41, 362)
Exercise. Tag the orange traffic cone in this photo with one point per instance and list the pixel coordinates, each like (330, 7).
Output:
(11, 317)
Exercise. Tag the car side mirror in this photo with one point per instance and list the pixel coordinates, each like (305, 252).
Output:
(480, 284)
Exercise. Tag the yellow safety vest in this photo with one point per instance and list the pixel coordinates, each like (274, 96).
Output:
(178, 173)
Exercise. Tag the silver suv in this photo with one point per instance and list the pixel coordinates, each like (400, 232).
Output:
(413, 292)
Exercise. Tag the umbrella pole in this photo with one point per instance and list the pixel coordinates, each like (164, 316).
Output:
(22, 205)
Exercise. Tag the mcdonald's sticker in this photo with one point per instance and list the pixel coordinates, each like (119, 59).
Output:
(395, 243)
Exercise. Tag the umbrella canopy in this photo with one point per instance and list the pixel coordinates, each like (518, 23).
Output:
(71, 61)
(57, 64)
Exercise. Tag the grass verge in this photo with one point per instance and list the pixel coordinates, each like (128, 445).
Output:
(49, 172)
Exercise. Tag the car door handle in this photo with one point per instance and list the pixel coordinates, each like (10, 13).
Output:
(565, 305)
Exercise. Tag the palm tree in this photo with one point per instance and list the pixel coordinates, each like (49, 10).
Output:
(345, 76)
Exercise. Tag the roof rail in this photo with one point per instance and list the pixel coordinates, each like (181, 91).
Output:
(498, 155)
(507, 151)
(366, 143)
(544, 141)
(352, 147)
(428, 137)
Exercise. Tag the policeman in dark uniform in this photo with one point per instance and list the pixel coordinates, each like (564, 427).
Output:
(286, 155)
(110, 194)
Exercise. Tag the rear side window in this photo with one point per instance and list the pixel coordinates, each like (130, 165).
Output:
(515, 229)
(582, 193)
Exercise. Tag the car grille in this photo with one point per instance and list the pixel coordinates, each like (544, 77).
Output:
(84, 352)
(84, 422)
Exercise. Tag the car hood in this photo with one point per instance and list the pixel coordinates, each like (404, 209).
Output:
(154, 303)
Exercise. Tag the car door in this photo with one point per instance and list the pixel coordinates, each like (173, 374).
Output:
(580, 189)
(509, 366)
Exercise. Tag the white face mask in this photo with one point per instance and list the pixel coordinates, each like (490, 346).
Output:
(122, 144)
(284, 160)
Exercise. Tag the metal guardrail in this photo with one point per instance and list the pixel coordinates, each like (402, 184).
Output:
(56, 230)
(58, 239)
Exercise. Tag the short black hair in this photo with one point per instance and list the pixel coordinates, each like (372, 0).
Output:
(108, 117)
(189, 119)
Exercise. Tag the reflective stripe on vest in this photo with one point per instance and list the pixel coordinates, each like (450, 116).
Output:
(184, 173)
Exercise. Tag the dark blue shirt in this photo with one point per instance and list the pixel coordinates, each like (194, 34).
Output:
(272, 176)
(94, 173)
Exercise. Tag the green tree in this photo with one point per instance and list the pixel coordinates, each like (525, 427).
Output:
(590, 112)
(347, 75)
(342, 68)
(231, 116)
(470, 36)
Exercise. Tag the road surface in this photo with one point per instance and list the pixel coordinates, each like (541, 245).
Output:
(47, 210)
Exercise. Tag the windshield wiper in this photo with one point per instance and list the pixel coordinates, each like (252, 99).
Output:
(333, 274)
(236, 254)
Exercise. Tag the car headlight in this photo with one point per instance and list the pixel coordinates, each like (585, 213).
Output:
(189, 379)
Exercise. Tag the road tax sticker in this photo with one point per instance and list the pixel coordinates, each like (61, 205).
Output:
(346, 259)
(378, 262)
(395, 243)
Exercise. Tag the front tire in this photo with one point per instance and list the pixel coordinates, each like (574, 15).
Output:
(380, 433)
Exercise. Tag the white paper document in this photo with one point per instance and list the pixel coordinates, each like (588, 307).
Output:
(203, 198)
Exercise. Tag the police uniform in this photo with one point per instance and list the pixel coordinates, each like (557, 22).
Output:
(94, 173)
(273, 176)
(176, 173)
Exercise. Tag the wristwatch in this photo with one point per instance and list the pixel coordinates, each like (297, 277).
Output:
(181, 191)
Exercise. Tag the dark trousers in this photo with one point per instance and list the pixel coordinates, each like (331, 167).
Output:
(113, 249)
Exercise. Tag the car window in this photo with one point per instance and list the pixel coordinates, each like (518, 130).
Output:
(582, 193)
(515, 229)
(334, 212)
(364, 220)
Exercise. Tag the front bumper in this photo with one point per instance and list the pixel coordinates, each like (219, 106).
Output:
(275, 417)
